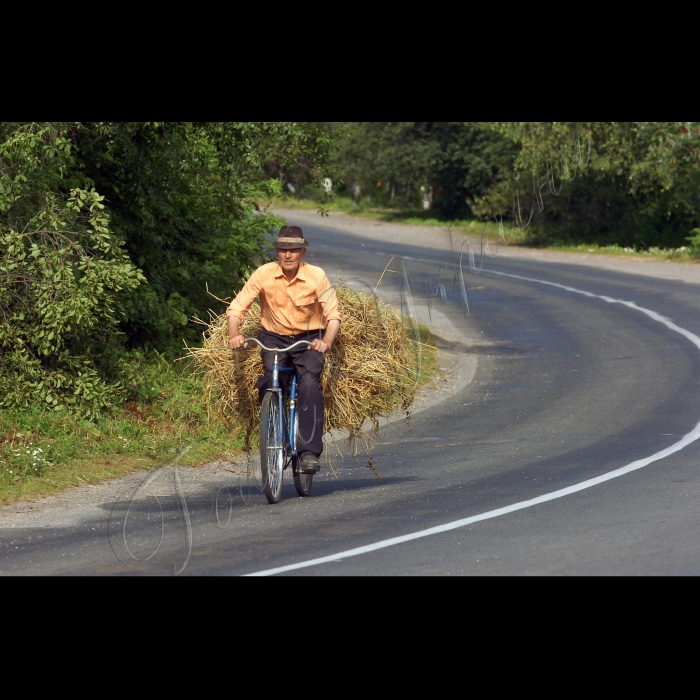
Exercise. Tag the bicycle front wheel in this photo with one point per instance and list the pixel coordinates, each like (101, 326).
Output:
(271, 447)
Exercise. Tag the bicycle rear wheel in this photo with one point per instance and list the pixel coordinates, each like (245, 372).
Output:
(271, 447)
(302, 482)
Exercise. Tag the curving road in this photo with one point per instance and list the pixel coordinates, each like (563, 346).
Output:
(517, 473)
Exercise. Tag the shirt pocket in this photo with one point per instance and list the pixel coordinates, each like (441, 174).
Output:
(307, 303)
(305, 310)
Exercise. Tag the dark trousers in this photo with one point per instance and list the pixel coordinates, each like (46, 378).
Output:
(309, 365)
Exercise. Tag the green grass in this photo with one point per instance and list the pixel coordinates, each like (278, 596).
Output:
(429, 364)
(682, 254)
(42, 453)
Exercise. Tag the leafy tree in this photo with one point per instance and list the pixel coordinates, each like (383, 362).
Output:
(305, 165)
(389, 155)
(61, 271)
(110, 234)
(457, 161)
(634, 183)
(184, 197)
(475, 157)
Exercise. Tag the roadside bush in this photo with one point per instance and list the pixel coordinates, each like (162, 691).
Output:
(110, 234)
(694, 241)
(61, 271)
(633, 184)
(183, 196)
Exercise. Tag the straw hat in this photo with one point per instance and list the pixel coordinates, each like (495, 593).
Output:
(290, 237)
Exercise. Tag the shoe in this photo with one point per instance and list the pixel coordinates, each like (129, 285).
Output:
(308, 463)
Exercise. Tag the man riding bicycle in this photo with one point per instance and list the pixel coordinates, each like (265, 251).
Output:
(297, 302)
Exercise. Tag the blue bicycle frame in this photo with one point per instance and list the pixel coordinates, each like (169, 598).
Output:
(288, 431)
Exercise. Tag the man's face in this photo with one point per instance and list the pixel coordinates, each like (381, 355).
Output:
(289, 259)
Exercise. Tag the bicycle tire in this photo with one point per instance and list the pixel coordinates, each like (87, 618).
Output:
(271, 448)
(302, 482)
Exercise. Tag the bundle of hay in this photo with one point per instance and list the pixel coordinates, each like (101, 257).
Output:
(371, 369)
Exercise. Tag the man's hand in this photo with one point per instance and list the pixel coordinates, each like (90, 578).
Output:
(237, 341)
(328, 337)
(319, 345)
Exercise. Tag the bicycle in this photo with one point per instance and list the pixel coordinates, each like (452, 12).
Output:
(279, 430)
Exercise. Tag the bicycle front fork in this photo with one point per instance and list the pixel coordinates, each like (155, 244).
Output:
(291, 432)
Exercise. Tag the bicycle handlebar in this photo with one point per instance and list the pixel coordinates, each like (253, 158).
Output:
(291, 347)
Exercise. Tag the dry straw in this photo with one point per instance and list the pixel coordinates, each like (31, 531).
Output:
(371, 370)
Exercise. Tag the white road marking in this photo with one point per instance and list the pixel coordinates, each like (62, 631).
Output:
(686, 440)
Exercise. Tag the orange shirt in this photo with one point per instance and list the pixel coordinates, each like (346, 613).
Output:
(306, 303)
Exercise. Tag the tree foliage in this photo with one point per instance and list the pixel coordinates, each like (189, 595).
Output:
(184, 198)
(402, 161)
(61, 272)
(631, 183)
(635, 183)
(110, 234)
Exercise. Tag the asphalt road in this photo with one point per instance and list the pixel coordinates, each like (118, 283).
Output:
(568, 388)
